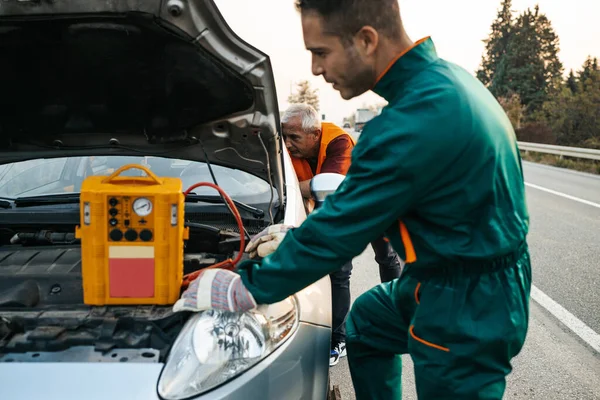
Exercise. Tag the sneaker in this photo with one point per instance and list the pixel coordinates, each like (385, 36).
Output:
(341, 349)
(334, 358)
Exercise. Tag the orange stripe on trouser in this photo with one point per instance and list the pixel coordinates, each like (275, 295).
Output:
(425, 342)
(417, 293)
(412, 327)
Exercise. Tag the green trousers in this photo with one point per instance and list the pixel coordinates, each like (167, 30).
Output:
(461, 325)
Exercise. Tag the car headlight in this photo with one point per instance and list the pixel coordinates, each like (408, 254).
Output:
(216, 346)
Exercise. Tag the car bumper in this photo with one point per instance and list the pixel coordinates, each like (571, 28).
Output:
(297, 370)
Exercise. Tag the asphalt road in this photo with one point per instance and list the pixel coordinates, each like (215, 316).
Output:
(564, 239)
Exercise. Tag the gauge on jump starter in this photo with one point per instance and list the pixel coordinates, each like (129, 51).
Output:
(142, 206)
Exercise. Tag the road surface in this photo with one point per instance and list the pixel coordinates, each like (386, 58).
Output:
(561, 356)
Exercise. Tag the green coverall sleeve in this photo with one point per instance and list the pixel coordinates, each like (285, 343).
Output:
(393, 162)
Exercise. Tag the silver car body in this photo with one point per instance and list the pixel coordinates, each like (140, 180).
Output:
(299, 369)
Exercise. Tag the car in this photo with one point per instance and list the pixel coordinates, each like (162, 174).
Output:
(89, 87)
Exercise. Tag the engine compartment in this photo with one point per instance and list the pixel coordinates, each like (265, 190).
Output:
(38, 277)
(42, 314)
(104, 332)
(43, 268)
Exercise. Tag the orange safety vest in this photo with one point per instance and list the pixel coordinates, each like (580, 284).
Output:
(329, 132)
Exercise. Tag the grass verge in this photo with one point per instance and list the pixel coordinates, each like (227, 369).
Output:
(577, 164)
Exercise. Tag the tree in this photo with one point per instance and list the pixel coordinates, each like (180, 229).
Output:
(305, 94)
(492, 69)
(574, 117)
(524, 66)
(533, 69)
(550, 43)
(522, 69)
(522, 57)
(513, 108)
(572, 82)
(588, 104)
(590, 66)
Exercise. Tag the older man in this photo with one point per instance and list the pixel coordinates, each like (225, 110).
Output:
(319, 147)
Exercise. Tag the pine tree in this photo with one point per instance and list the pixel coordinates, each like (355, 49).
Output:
(525, 68)
(588, 71)
(575, 116)
(572, 82)
(533, 69)
(549, 42)
(305, 94)
(492, 71)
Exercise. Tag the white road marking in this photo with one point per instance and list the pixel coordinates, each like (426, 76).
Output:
(589, 203)
(586, 333)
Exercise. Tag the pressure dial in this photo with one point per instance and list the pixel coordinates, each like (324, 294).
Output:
(142, 206)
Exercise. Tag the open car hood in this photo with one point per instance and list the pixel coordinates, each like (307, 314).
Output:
(135, 77)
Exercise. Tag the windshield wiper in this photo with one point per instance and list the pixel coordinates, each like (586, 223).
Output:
(73, 198)
(66, 198)
(257, 212)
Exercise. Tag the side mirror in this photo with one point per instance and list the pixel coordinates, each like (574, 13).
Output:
(322, 185)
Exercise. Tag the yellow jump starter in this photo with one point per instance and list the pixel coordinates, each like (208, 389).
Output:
(132, 234)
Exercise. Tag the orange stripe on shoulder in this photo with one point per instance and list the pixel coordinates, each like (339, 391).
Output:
(385, 71)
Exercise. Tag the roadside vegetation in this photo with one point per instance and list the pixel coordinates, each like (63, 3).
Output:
(545, 104)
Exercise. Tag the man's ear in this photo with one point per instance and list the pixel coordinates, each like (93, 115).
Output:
(317, 135)
(367, 40)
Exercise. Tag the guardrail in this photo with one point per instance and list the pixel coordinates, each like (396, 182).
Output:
(566, 151)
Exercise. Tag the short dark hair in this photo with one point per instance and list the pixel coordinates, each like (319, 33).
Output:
(346, 17)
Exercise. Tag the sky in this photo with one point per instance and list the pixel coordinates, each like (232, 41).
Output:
(456, 27)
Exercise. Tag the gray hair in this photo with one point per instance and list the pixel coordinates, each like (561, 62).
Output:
(307, 114)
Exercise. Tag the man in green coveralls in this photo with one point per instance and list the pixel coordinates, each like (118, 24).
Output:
(438, 172)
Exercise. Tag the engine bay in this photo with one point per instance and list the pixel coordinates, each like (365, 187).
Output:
(42, 313)
(101, 334)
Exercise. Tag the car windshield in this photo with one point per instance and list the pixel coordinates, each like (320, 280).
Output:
(41, 177)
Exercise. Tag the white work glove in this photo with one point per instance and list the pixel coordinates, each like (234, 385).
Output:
(216, 289)
(266, 242)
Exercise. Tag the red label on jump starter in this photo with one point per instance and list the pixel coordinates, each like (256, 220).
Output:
(131, 271)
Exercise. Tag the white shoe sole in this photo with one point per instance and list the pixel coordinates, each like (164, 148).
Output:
(334, 362)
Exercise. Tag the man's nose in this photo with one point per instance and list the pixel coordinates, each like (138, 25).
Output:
(317, 69)
(287, 143)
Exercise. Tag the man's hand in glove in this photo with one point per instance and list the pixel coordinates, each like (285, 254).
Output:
(267, 241)
(217, 289)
